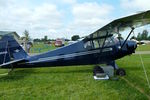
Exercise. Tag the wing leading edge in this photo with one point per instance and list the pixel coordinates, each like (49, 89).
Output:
(136, 20)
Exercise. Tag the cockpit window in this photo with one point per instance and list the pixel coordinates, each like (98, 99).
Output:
(96, 44)
(111, 41)
(88, 45)
(93, 44)
(101, 42)
(100, 39)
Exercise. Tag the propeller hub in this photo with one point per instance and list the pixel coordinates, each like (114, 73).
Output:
(131, 46)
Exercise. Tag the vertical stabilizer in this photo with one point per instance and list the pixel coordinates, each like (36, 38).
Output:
(10, 50)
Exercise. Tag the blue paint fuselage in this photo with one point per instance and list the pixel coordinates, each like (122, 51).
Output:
(77, 54)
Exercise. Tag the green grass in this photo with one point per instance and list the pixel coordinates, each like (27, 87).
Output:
(76, 83)
(41, 47)
(143, 47)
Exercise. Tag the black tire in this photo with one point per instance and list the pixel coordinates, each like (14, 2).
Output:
(97, 69)
(120, 72)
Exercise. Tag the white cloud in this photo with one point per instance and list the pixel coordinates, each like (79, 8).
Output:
(88, 10)
(47, 19)
(69, 1)
(88, 17)
(40, 19)
(3, 3)
(135, 5)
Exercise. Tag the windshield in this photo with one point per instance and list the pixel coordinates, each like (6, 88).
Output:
(100, 42)
(111, 41)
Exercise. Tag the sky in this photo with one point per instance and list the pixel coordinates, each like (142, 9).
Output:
(64, 18)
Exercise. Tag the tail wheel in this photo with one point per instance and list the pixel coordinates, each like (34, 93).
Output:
(120, 72)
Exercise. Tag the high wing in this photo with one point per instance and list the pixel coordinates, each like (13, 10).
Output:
(121, 24)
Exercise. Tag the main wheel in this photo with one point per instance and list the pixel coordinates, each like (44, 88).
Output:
(120, 72)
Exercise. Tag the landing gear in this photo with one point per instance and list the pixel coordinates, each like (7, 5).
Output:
(99, 74)
(120, 72)
(108, 72)
(97, 69)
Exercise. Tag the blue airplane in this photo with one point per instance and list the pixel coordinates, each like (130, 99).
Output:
(100, 47)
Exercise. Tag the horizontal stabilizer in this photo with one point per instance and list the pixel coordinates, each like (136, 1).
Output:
(7, 65)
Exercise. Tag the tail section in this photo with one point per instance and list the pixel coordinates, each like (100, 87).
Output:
(10, 50)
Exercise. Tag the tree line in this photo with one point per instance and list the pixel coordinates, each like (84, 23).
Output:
(45, 39)
(26, 37)
(142, 36)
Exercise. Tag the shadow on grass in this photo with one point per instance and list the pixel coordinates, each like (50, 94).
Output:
(66, 71)
(20, 74)
(16, 74)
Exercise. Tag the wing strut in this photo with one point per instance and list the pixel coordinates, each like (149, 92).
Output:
(10, 64)
(103, 43)
(119, 35)
(104, 40)
(132, 29)
(6, 52)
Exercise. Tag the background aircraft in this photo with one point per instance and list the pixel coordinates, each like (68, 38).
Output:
(100, 47)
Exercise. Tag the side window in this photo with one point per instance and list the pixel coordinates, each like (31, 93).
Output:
(109, 42)
(101, 42)
(88, 45)
(96, 44)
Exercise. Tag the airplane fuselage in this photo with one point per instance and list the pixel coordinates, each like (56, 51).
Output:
(77, 54)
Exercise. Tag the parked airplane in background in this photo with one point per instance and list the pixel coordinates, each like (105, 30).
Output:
(100, 47)
(142, 42)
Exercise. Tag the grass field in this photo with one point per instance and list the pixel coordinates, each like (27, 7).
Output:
(143, 47)
(77, 83)
(41, 47)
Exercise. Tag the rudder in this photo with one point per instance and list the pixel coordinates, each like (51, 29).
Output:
(10, 50)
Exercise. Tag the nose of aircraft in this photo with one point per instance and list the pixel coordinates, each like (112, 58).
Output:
(131, 46)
